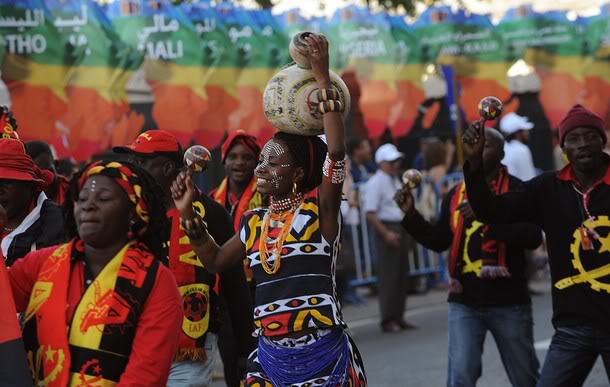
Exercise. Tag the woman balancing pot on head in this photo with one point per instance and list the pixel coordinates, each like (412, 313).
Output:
(102, 309)
(291, 247)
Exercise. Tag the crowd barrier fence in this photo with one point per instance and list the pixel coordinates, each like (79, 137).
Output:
(422, 261)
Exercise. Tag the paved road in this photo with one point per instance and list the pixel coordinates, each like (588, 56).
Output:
(419, 358)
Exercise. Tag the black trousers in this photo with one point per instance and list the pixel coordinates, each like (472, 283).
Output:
(393, 274)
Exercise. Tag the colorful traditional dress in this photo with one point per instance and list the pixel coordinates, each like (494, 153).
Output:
(299, 298)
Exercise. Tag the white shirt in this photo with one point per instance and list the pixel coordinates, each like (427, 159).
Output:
(378, 197)
(518, 160)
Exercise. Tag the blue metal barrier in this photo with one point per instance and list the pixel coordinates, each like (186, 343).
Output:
(423, 262)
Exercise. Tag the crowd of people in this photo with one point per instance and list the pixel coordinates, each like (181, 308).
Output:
(126, 273)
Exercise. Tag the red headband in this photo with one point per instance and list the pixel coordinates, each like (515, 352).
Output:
(239, 137)
(128, 181)
(310, 158)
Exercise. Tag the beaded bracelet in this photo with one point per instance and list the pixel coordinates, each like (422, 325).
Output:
(334, 170)
(328, 94)
(332, 105)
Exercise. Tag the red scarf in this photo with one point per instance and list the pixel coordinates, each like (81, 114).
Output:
(63, 184)
(97, 345)
(249, 200)
(493, 252)
(194, 284)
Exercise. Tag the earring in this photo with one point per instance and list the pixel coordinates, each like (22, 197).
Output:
(294, 188)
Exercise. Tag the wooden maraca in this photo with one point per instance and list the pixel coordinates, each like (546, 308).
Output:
(412, 178)
(197, 158)
(490, 109)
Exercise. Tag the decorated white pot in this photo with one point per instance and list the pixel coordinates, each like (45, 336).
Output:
(290, 100)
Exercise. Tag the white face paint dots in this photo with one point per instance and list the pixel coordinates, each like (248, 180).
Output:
(272, 148)
(92, 185)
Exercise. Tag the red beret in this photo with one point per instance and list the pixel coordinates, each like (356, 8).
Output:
(581, 117)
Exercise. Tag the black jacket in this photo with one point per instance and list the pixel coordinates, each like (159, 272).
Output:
(232, 282)
(479, 292)
(47, 229)
(580, 295)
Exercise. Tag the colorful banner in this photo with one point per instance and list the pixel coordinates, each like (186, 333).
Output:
(553, 45)
(221, 69)
(596, 50)
(363, 43)
(67, 64)
(254, 64)
(97, 114)
(35, 67)
(173, 65)
(407, 71)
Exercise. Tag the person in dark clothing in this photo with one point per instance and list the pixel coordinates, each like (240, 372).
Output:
(237, 193)
(160, 153)
(487, 266)
(33, 220)
(572, 208)
(43, 157)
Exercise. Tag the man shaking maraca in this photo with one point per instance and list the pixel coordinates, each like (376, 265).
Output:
(487, 266)
(160, 153)
(572, 208)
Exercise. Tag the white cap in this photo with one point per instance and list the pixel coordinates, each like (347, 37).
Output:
(512, 123)
(387, 152)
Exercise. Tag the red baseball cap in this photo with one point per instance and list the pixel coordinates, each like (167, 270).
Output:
(151, 142)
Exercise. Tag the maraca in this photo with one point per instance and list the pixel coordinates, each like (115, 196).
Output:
(412, 178)
(197, 158)
(490, 109)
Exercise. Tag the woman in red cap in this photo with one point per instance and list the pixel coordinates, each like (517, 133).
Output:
(102, 309)
(33, 220)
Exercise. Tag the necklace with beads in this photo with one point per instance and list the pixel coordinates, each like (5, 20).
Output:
(281, 212)
(281, 205)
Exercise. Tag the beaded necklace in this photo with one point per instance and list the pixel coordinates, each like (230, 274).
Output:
(280, 212)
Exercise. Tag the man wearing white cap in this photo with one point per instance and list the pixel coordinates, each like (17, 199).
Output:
(517, 155)
(393, 242)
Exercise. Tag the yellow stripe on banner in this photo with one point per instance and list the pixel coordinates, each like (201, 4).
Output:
(555, 63)
(110, 83)
(255, 77)
(411, 72)
(598, 69)
(54, 77)
(92, 312)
